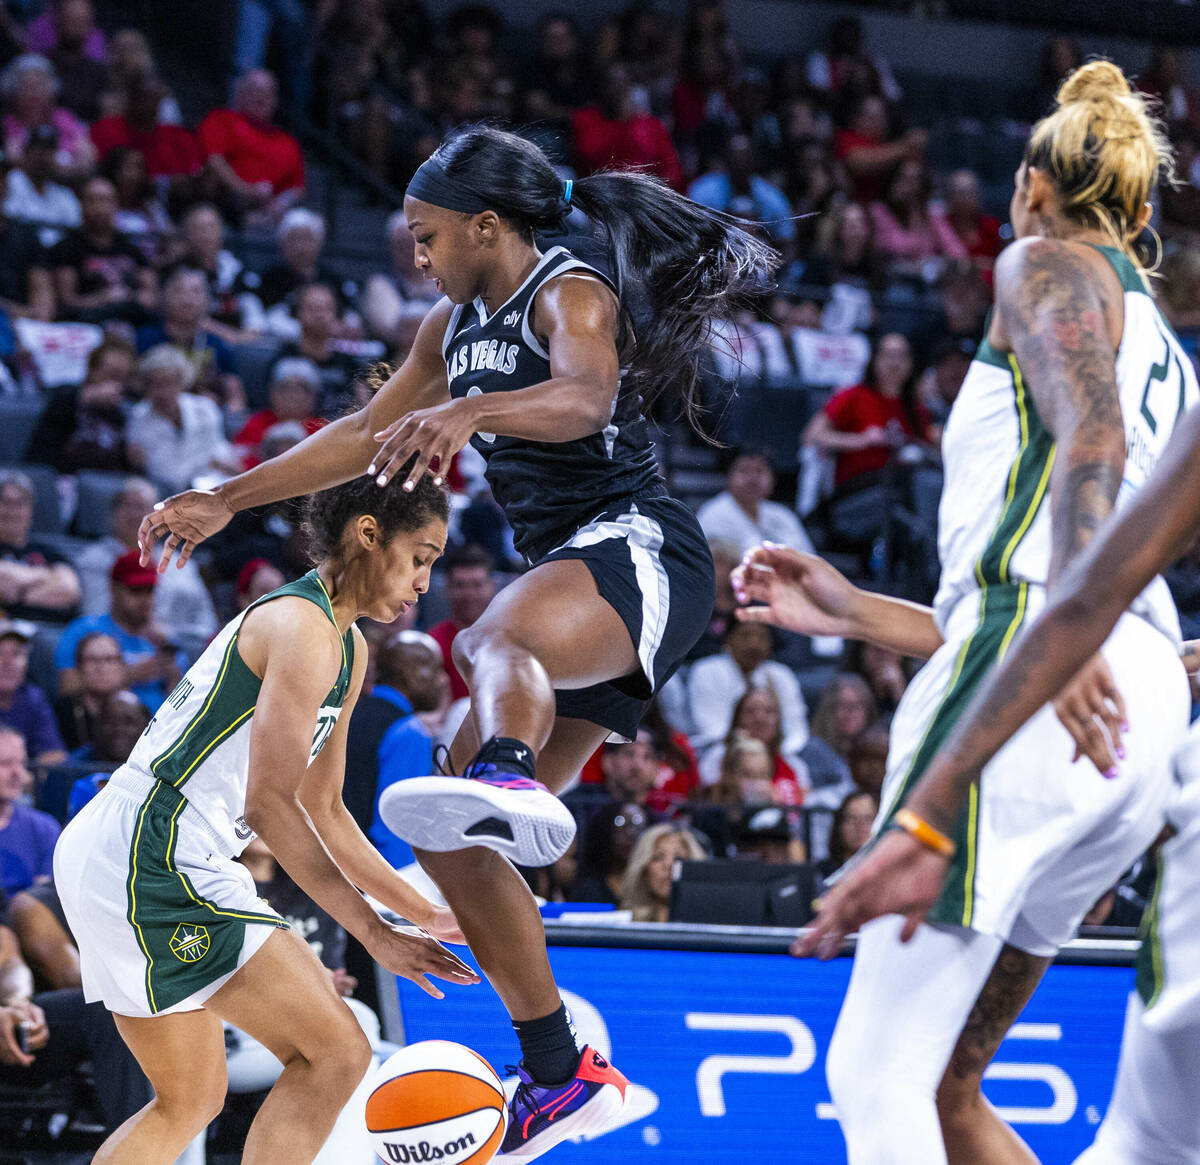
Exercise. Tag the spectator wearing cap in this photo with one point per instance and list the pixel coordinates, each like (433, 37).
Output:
(293, 393)
(100, 274)
(181, 600)
(153, 662)
(184, 319)
(175, 436)
(33, 195)
(742, 513)
(23, 705)
(101, 670)
(235, 312)
(317, 317)
(386, 737)
(172, 153)
(258, 166)
(470, 586)
(36, 582)
(27, 835)
(30, 87)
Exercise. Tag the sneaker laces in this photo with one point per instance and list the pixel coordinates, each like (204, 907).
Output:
(441, 761)
(525, 1093)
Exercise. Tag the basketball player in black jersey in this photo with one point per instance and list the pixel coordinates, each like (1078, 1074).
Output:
(535, 359)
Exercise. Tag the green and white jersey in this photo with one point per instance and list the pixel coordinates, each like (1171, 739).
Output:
(994, 519)
(199, 740)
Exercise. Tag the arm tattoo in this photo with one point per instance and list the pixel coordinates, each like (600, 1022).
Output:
(1055, 311)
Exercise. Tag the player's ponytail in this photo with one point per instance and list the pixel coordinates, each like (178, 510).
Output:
(677, 266)
(1104, 151)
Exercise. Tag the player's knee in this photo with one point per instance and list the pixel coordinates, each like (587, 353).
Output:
(346, 1060)
(193, 1104)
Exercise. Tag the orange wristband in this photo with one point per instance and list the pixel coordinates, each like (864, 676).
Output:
(929, 837)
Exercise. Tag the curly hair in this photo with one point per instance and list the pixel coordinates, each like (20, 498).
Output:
(327, 513)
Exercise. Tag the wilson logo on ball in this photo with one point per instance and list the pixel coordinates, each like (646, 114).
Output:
(424, 1151)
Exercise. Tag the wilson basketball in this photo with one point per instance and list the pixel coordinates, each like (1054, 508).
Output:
(436, 1101)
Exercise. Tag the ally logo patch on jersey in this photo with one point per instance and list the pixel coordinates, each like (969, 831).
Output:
(189, 944)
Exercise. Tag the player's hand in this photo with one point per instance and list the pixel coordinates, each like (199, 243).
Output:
(185, 520)
(897, 875)
(1090, 708)
(434, 435)
(408, 952)
(444, 927)
(801, 592)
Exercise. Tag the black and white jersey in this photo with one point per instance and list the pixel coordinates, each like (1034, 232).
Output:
(547, 490)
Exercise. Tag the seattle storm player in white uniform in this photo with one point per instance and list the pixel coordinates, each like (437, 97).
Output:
(1069, 403)
(1154, 1116)
(172, 935)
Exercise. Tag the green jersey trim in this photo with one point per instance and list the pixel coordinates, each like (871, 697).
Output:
(1151, 973)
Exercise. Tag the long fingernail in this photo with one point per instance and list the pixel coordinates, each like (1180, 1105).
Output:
(1125, 726)
(381, 479)
(158, 505)
(437, 481)
(371, 468)
(1120, 753)
(1110, 774)
(408, 487)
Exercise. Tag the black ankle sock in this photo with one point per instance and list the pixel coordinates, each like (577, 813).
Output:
(548, 1047)
(513, 756)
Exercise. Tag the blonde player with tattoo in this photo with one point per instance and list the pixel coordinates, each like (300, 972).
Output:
(1068, 404)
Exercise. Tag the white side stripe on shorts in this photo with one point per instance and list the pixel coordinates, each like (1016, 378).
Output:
(644, 537)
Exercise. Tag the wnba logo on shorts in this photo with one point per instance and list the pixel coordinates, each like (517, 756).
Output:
(189, 944)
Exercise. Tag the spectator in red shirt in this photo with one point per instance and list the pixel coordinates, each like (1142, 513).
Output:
(614, 134)
(257, 165)
(293, 393)
(979, 232)
(170, 150)
(863, 147)
(861, 426)
(469, 588)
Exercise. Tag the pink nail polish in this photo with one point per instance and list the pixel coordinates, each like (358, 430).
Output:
(1120, 753)
(1111, 774)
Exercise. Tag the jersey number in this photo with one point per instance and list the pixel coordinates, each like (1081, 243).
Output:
(324, 728)
(1158, 375)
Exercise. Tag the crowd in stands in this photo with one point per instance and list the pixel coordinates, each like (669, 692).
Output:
(170, 313)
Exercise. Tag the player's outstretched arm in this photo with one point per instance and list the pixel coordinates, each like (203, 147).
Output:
(329, 457)
(903, 875)
(804, 593)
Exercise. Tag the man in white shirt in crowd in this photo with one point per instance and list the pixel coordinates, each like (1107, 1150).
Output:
(175, 436)
(741, 513)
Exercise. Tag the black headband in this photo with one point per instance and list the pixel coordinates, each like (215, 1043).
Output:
(433, 185)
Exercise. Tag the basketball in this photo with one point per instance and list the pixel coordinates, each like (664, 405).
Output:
(436, 1101)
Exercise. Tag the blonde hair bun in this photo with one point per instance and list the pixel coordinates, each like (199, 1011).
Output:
(1095, 81)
